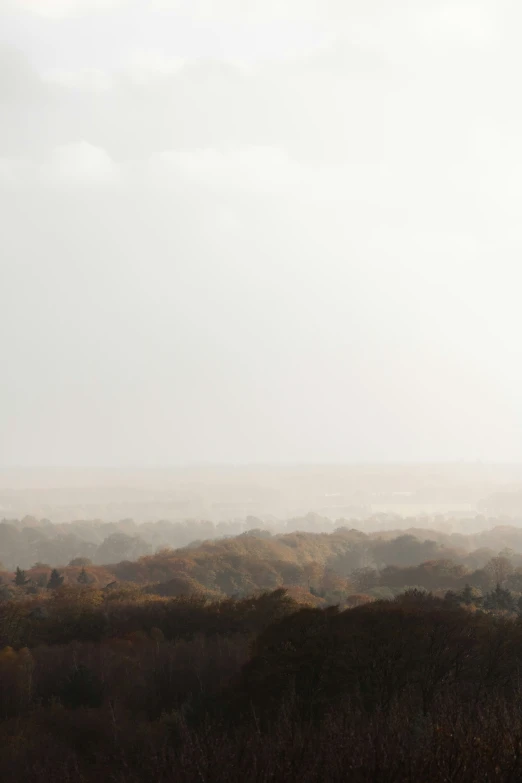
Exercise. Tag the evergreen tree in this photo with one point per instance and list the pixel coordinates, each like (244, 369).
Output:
(470, 595)
(451, 597)
(21, 579)
(55, 580)
(500, 599)
(83, 577)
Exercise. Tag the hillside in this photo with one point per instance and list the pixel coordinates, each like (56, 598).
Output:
(325, 568)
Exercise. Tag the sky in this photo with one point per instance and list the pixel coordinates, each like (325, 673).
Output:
(259, 231)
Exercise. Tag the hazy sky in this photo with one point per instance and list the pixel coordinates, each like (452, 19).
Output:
(260, 230)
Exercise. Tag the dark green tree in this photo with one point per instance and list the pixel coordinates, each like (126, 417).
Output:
(500, 599)
(55, 580)
(83, 577)
(470, 595)
(451, 597)
(21, 579)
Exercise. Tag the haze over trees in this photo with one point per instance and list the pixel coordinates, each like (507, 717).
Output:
(331, 567)
(122, 680)
(289, 655)
(261, 391)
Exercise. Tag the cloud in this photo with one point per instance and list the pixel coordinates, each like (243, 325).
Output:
(326, 215)
(145, 65)
(427, 18)
(210, 171)
(473, 24)
(225, 10)
(68, 165)
(247, 167)
(261, 169)
(15, 172)
(468, 20)
(18, 81)
(247, 10)
(56, 9)
(83, 80)
(80, 163)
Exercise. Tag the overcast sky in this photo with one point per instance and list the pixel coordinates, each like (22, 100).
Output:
(260, 231)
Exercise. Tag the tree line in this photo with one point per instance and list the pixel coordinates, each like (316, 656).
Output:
(121, 686)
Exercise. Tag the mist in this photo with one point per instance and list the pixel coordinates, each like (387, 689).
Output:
(259, 233)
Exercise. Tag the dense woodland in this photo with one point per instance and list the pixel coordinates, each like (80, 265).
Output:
(26, 541)
(328, 568)
(299, 657)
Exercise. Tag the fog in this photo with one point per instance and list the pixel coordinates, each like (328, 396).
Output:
(259, 232)
(448, 497)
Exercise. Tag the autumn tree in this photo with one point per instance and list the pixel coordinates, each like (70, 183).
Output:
(365, 578)
(82, 688)
(498, 569)
(312, 573)
(514, 580)
(16, 669)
